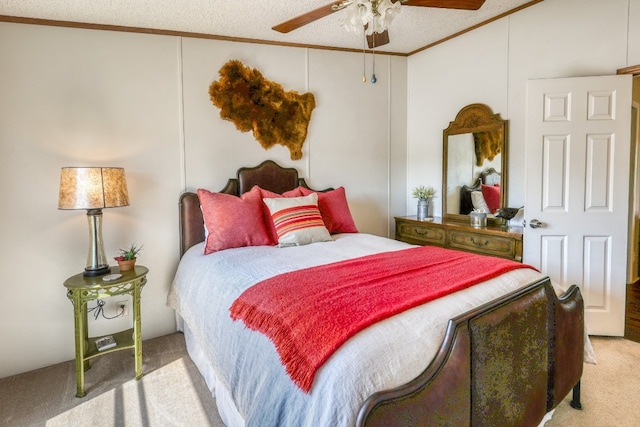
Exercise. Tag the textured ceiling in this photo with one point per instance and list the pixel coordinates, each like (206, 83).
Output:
(413, 29)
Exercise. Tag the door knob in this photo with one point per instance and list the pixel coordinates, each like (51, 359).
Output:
(534, 223)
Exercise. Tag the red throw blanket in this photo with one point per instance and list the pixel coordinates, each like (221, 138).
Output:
(309, 313)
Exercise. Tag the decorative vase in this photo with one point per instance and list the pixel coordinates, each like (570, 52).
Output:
(127, 264)
(424, 209)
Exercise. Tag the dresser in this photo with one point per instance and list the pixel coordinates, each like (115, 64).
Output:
(490, 240)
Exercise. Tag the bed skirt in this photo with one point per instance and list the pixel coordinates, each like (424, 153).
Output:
(226, 408)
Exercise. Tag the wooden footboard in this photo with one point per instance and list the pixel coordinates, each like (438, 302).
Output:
(506, 363)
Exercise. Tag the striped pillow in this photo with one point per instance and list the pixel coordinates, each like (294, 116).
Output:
(297, 220)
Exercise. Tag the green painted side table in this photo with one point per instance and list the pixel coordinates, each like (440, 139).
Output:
(80, 290)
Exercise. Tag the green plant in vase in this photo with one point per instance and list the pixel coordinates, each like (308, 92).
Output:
(127, 258)
(422, 193)
(424, 196)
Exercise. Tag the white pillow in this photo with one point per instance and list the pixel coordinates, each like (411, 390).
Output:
(297, 220)
(206, 230)
(479, 204)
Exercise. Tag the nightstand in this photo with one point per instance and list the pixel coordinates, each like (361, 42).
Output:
(80, 290)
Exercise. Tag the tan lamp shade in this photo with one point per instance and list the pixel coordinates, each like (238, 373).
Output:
(92, 188)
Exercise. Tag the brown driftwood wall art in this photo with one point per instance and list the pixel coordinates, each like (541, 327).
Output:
(487, 145)
(254, 103)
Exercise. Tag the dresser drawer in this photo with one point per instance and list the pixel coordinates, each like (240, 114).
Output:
(491, 240)
(487, 244)
(420, 234)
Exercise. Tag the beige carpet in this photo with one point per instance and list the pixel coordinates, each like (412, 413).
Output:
(610, 389)
(172, 392)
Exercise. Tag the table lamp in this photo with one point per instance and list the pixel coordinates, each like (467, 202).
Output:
(93, 189)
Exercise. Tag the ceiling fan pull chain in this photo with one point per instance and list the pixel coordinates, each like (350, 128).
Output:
(364, 58)
(373, 75)
(373, 55)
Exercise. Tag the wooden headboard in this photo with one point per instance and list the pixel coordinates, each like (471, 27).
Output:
(487, 177)
(268, 175)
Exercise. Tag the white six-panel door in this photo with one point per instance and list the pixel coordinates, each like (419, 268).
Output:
(577, 190)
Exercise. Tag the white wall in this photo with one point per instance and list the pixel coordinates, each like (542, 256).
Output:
(554, 38)
(73, 97)
(81, 98)
(351, 135)
(469, 69)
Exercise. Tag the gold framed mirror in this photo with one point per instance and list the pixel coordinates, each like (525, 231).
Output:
(474, 161)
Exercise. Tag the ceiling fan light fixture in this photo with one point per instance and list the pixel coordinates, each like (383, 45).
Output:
(387, 11)
(356, 16)
(370, 16)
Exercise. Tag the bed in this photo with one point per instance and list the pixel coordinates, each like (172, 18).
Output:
(489, 178)
(503, 352)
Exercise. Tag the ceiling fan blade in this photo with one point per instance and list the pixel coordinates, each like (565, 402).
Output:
(378, 39)
(446, 4)
(305, 18)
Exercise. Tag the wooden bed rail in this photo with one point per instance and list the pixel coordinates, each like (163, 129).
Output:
(505, 363)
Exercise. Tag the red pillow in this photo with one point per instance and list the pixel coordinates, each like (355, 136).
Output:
(491, 195)
(268, 220)
(334, 209)
(233, 221)
(296, 192)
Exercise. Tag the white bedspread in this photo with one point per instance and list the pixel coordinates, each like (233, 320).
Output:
(380, 357)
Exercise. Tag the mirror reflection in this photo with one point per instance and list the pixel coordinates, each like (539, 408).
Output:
(466, 166)
(474, 163)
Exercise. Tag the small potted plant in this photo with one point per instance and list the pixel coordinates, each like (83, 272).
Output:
(424, 196)
(127, 258)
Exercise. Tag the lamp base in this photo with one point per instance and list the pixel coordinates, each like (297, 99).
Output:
(96, 271)
(97, 264)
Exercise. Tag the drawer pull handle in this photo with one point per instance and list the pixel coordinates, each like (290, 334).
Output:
(417, 231)
(485, 243)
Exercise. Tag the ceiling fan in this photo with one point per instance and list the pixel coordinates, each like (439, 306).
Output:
(375, 36)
